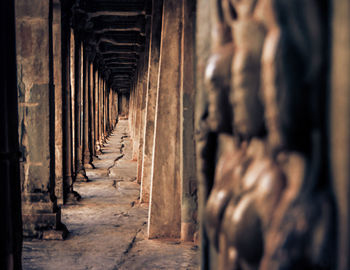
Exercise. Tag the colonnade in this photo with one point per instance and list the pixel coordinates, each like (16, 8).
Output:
(161, 120)
(66, 112)
(67, 109)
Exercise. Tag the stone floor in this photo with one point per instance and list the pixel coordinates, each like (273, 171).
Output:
(108, 225)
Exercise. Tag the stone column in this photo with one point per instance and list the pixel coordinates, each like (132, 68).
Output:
(131, 107)
(137, 113)
(134, 105)
(95, 111)
(116, 108)
(104, 89)
(108, 93)
(134, 111)
(41, 216)
(97, 105)
(205, 141)
(165, 199)
(80, 174)
(151, 99)
(101, 111)
(68, 194)
(188, 153)
(57, 71)
(339, 128)
(123, 106)
(87, 158)
(72, 84)
(110, 99)
(107, 111)
(144, 87)
(10, 190)
(91, 111)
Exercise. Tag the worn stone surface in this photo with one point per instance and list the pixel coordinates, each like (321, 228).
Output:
(165, 208)
(57, 70)
(107, 226)
(339, 132)
(151, 100)
(188, 156)
(36, 116)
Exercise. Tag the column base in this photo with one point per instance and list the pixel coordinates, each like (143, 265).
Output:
(72, 198)
(188, 231)
(42, 218)
(81, 176)
(94, 158)
(89, 166)
(98, 148)
(102, 141)
(87, 160)
(55, 235)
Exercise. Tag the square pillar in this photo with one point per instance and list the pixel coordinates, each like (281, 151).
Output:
(40, 213)
(152, 83)
(165, 200)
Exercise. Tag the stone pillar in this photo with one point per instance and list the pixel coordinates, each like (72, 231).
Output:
(10, 190)
(91, 111)
(101, 111)
(96, 99)
(188, 153)
(134, 105)
(137, 113)
(165, 199)
(57, 71)
(116, 107)
(339, 128)
(134, 117)
(131, 107)
(205, 141)
(144, 87)
(108, 94)
(87, 158)
(68, 194)
(72, 85)
(41, 216)
(107, 111)
(124, 105)
(151, 99)
(104, 90)
(80, 174)
(110, 99)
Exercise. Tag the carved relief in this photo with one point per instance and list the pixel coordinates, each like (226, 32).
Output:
(269, 208)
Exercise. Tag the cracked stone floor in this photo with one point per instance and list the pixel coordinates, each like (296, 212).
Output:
(108, 226)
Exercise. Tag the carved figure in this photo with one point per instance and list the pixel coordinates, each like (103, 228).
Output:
(267, 208)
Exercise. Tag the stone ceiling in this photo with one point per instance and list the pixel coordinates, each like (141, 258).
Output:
(115, 34)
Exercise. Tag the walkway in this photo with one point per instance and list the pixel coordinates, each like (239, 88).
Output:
(108, 226)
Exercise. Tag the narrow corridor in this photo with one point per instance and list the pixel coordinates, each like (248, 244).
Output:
(108, 225)
(173, 134)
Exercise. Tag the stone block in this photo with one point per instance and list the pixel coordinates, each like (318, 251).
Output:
(54, 235)
(32, 9)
